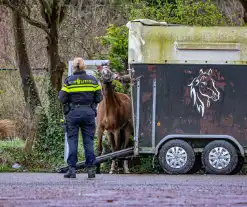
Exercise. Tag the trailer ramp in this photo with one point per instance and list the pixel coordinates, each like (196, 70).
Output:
(100, 159)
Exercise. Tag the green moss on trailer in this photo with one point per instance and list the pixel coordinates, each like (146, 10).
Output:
(160, 40)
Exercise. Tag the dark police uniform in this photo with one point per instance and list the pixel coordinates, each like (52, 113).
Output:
(83, 93)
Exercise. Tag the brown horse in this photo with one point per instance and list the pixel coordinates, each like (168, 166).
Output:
(114, 116)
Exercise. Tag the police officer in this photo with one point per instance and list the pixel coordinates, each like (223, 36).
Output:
(82, 92)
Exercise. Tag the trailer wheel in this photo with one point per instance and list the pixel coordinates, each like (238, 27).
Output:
(176, 157)
(219, 157)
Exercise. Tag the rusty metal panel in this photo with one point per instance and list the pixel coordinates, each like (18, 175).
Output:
(193, 99)
(144, 73)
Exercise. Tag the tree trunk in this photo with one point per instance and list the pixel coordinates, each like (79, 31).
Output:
(56, 66)
(244, 4)
(28, 85)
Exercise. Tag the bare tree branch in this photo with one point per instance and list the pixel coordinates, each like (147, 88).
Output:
(244, 4)
(25, 16)
(83, 45)
(8, 58)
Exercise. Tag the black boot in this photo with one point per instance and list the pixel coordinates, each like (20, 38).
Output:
(71, 173)
(91, 172)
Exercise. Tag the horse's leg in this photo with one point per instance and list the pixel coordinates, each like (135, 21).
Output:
(100, 147)
(127, 134)
(111, 141)
(116, 139)
(100, 132)
(113, 146)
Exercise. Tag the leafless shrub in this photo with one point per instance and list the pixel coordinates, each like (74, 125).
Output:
(12, 103)
(232, 9)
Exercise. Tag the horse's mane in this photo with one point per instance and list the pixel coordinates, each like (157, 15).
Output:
(194, 94)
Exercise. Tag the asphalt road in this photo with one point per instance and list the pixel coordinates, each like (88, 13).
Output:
(46, 189)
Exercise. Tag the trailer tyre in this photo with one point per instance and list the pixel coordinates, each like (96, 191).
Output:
(176, 157)
(219, 157)
(239, 166)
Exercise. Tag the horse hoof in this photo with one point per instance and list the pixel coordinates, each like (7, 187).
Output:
(112, 172)
(126, 172)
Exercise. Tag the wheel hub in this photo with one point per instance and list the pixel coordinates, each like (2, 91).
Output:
(176, 157)
(219, 157)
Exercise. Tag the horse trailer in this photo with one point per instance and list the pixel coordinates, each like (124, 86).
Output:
(190, 96)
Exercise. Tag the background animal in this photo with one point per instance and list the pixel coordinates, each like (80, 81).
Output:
(7, 128)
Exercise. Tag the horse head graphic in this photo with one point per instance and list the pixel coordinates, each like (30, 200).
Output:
(203, 86)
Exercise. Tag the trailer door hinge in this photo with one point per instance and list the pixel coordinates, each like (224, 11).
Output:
(134, 80)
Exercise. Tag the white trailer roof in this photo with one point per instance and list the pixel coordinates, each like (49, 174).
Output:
(159, 42)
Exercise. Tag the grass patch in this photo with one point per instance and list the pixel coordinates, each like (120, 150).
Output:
(7, 168)
(11, 152)
(10, 144)
(144, 164)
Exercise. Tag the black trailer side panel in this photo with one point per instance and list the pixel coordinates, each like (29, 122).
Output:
(192, 99)
(144, 106)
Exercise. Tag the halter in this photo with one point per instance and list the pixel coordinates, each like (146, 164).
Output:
(110, 73)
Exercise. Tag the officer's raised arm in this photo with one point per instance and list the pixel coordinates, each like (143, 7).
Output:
(63, 95)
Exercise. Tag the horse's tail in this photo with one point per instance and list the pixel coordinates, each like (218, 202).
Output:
(7, 128)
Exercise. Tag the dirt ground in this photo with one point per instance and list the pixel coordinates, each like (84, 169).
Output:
(44, 189)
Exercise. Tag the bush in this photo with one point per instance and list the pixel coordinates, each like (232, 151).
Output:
(12, 103)
(186, 12)
(50, 135)
(117, 43)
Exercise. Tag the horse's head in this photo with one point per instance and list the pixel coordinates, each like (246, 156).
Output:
(106, 75)
(205, 85)
(106, 78)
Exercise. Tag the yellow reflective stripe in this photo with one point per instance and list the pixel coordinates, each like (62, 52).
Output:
(65, 89)
(98, 88)
(82, 85)
(81, 89)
